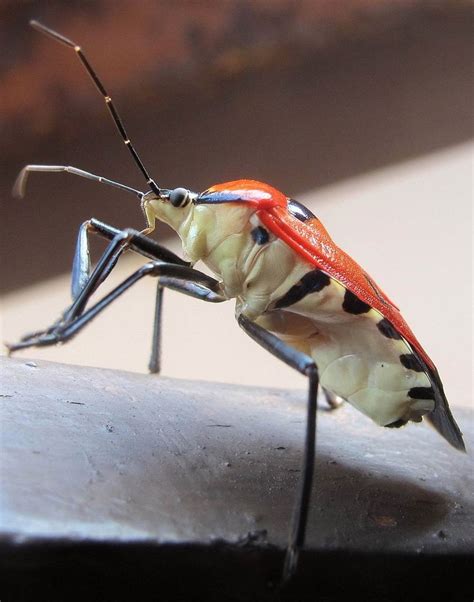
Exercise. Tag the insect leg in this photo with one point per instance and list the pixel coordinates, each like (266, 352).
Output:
(139, 243)
(81, 276)
(154, 363)
(181, 278)
(306, 366)
(84, 283)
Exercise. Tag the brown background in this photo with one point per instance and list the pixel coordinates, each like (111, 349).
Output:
(297, 94)
(363, 112)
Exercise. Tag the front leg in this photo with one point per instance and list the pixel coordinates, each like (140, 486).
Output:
(135, 241)
(83, 282)
(306, 366)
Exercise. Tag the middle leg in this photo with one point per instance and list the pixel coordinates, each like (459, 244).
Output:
(306, 366)
(180, 278)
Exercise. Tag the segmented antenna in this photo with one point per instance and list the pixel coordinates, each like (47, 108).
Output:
(108, 100)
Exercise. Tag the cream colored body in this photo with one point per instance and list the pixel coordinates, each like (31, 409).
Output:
(354, 360)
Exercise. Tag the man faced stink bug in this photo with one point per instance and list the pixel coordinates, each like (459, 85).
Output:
(297, 294)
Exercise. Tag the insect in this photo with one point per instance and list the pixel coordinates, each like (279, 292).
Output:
(297, 294)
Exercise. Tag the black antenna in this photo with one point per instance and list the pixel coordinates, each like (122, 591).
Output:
(108, 100)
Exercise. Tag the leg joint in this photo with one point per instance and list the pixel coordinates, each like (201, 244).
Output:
(152, 268)
(131, 233)
(311, 370)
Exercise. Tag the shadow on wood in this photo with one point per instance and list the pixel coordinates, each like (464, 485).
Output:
(117, 482)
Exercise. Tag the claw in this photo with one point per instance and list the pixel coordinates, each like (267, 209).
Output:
(38, 339)
(291, 562)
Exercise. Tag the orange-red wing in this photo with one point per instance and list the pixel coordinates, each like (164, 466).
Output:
(312, 242)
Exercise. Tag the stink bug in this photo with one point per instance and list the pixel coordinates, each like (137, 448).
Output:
(297, 294)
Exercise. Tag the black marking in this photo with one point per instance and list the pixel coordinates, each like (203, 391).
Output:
(212, 198)
(421, 393)
(299, 211)
(312, 282)
(397, 424)
(388, 330)
(354, 305)
(410, 362)
(260, 235)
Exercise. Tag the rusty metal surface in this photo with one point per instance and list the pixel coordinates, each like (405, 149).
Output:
(193, 474)
(163, 46)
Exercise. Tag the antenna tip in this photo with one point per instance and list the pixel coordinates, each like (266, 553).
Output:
(19, 186)
(38, 26)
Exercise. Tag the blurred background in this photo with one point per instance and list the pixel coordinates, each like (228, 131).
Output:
(360, 109)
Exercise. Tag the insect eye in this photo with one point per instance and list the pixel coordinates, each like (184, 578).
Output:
(179, 197)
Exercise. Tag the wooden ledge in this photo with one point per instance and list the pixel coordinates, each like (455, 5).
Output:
(121, 469)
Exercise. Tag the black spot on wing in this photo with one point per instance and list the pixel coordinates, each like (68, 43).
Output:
(397, 424)
(410, 362)
(299, 211)
(421, 393)
(388, 330)
(312, 282)
(353, 305)
(260, 235)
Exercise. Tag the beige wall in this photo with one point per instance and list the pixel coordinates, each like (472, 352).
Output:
(409, 225)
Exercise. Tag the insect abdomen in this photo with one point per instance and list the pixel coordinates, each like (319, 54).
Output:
(360, 355)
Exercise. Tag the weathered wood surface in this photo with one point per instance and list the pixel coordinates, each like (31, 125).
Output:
(100, 458)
